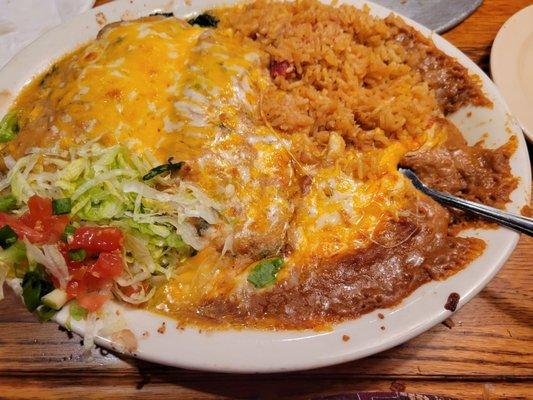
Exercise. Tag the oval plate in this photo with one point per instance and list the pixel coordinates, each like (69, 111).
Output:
(268, 351)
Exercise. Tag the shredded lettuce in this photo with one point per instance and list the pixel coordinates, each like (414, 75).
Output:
(8, 203)
(51, 258)
(14, 259)
(76, 311)
(106, 187)
(13, 263)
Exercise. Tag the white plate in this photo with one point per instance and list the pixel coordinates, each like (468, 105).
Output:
(22, 21)
(260, 351)
(511, 64)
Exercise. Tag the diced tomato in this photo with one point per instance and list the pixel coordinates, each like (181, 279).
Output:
(91, 278)
(77, 268)
(92, 301)
(129, 290)
(108, 265)
(80, 285)
(74, 288)
(79, 272)
(54, 227)
(38, 225)
(97, 239)
(134, 289)
(20, 228)
(40, 208)
(87, 277)
(93, 282)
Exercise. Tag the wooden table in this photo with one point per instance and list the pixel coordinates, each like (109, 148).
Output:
(486, 355)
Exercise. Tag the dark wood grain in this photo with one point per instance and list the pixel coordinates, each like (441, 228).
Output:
(486, 355)
(475, 35)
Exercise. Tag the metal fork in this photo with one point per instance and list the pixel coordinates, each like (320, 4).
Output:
(510, 220)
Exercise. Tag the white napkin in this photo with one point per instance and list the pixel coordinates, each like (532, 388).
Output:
(23, 21)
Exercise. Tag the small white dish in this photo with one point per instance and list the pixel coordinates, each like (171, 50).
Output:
(275, 351)
(511, 64)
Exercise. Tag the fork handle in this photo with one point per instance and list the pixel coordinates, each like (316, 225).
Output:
(510, 220)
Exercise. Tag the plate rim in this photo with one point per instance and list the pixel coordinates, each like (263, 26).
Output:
(351, 352)
(499, 77)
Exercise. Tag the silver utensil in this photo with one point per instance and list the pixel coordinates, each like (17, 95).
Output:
(437, 15)
(513, 221)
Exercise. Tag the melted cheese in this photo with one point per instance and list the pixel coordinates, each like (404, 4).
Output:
(156, 82)
(116, 87)
(194, 94)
